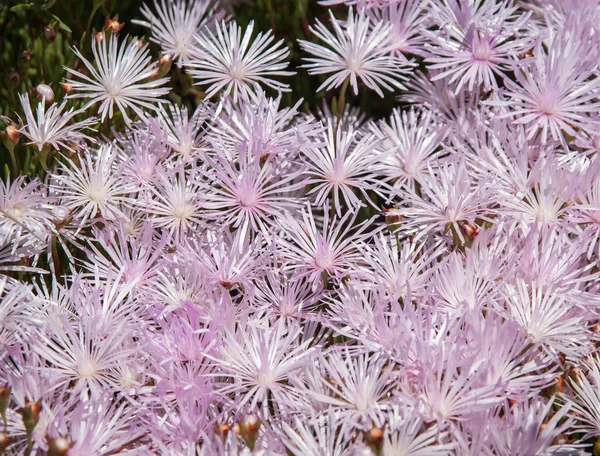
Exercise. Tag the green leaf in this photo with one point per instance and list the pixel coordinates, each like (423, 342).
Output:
(22, 6)
(61, 24)
(33, 6)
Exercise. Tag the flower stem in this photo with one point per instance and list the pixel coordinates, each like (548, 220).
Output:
(342, 98)
(97, 5)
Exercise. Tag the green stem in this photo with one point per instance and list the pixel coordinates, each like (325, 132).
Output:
(91, 18)
(342, 98)
(13, 159)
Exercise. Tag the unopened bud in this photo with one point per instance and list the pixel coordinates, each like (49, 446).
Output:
(59, 446)
(392, 217)
(26, 57)
(12, 134)
(46, 92)
(164, 65)
(4, 400)
(575, 373)
(98, 37)
(374, 440)
(249, 430)
(222, 430)
(31, 415)
(67, 88)
(49, 33)
(5, 441)
(14, 77)
(469, 229)
(114, 25)
(561, 385)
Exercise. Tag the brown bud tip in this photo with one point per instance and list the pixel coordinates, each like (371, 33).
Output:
(575, 372)
(561, 385)
(49, 33)
(12, 133)
(67, 88)
(14, 77)
(26, 57)
(222, 429)
(251, 423)
(98, 37)
(374, 438)
(114, 25)
(469, 229)
(5, 441)
(59, 446)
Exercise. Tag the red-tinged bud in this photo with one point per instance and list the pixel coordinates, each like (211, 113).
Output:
(5, 441)
(59, 446)
(46, 92)
(14, 77)
(31, 415)
(49, 33)
(67, 88)
(222, 430)
(26, 57)
(374, 440)
(98, 37)
(468, 229)
(249, 429)
(164, 65)
(114, 25)
(392, 217)
(4, 400)
(12, 135)
(597, 447)
(561, 385)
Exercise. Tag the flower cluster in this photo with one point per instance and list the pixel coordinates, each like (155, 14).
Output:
(244, 277)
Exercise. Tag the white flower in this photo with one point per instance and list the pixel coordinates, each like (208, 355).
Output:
(175, 23)
(230, 61)
(118, 78)
(359, 50)
(52, 126)
(93, 187)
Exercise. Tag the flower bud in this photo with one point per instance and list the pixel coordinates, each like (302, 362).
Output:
(561, 385)
(114, 25)
(31, 415)
(249, 429)
(26, 57)
(49, 33)
(468, 229)
(222, 430)
(374, 440)
(59, 446)
(12, 134)
(392, 217)
(4, 400)
(14, 77)
(67, 88)
(98, 37)
(5, 441)
(46, 92)
(164, 65)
